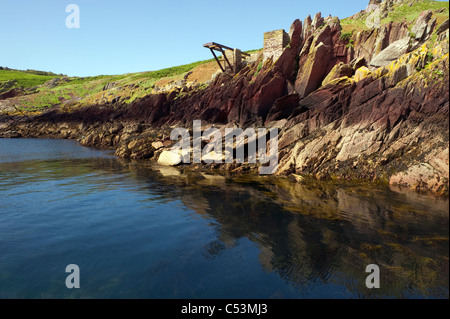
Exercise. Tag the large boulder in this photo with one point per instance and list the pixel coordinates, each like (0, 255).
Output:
(362, 73)
(170, 158)
(391, 53)
(141, 148)
(315, 62)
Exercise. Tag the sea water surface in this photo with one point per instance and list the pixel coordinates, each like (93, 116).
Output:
(137, 230)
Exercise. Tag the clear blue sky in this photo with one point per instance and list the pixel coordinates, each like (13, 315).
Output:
(125, 36)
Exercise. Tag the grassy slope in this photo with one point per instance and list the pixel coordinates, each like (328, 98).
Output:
(88, 90)
(85, 87)
(24, 79)
(410, 14)
(400, 13)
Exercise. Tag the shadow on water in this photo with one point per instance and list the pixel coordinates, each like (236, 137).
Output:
(310, 234)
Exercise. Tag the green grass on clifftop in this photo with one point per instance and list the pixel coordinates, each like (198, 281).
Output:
(24, 79)
(411, 13)
(172, 71)
(89, 90)
(407, 11)
(86, 90)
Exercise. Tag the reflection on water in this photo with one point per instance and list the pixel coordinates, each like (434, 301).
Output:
(138, 230)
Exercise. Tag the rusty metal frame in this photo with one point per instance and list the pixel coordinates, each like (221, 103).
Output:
(220, 48)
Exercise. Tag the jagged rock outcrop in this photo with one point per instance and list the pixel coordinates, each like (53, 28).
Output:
(318, 21)
(109, 85)
(5, 86)
(296, 33)
(376, 128)
(320, 52)
(357, 63)
(56, 81)
(307, 29)
(394, 51)
(368, 43)
(443, 27)
(423, 28)
(339, 70)
(372, 5)
(374, 108)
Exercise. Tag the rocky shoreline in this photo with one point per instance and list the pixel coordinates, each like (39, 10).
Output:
(376, 110)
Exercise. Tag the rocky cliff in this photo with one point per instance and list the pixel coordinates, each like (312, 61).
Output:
(371, 103)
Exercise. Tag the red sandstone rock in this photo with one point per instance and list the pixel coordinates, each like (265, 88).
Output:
(283, 107)
(374, 129)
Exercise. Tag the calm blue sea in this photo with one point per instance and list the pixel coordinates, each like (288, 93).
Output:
(137, 230)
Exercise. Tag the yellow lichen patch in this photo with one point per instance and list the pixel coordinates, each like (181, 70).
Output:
(426, 75)
(378, 73)
(362, 73)
(369, 247)
(430, 239)
(345, 80)
(408, 66)
(413, 59)
(440, 50)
